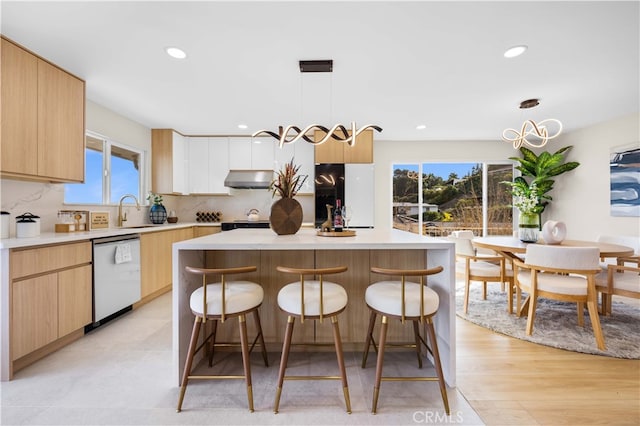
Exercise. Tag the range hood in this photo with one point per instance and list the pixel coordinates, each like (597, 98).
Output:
(249, 179)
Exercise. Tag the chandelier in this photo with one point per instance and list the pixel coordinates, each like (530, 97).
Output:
(338, 132)
(291, 134)
(531, 133)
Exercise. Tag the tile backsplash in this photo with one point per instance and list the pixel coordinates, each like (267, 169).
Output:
(45, 199)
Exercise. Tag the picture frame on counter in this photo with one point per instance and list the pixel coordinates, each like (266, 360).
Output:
(98, 220)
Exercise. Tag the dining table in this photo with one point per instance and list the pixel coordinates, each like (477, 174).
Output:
(512, 248)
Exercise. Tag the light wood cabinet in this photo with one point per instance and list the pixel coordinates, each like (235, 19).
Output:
(333, 151)
(42, 119)
(168, 158)
(156, 266)
(51, 295)
(201, 231)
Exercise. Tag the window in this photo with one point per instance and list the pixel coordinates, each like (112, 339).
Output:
(437, 198)
(111, 171)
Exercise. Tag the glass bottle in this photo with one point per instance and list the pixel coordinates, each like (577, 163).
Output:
(337, 217)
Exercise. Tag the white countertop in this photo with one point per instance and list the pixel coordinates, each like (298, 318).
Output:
(307, 239)
(67, 237)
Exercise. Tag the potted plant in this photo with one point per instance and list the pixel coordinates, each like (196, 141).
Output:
(157, 212)
(286, 213)
(531, 198)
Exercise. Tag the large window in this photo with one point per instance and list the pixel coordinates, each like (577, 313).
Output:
(437, 198)
(112, 170)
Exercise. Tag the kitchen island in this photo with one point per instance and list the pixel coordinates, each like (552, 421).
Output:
(266, 250)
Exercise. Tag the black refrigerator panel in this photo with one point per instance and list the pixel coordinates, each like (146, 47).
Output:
(329, 186)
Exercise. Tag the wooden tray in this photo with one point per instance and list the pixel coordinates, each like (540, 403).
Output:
(344, 233)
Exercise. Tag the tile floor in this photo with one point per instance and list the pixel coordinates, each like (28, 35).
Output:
(121, 374)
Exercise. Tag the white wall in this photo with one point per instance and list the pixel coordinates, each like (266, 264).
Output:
(580, 197)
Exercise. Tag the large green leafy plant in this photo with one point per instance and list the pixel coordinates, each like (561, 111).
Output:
(537, 173)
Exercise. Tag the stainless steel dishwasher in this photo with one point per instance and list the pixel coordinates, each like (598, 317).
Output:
(116, 276)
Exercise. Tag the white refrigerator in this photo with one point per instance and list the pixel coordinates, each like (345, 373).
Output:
(359, 194)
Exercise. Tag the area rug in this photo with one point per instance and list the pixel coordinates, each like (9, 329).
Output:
(556, 323)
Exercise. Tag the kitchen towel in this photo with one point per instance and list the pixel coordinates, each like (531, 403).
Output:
(123, 253)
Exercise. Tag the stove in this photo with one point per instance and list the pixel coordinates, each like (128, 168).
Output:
(240, 224)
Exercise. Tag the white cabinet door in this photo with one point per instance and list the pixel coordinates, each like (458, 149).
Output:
(218, 164)
(198, 148)
(250, 154)
(179, 164)
(208, 165)
(359, 193)
(239, 153)
(303, 156)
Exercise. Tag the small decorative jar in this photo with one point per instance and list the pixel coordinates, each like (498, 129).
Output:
(157, 214)
(528, 227)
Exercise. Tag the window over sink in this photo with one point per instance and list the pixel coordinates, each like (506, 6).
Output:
(112, 169)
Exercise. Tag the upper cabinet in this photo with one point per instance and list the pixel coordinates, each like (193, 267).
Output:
(208, 162)
(168, 162)
(250, 154)
(42, 119)
(333, 151)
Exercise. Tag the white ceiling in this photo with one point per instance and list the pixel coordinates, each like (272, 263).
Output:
(396, 64)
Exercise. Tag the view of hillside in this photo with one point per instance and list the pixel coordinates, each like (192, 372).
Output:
(454, 202)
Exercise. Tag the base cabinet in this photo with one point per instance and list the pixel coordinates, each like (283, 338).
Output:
(155, 259)
(201, 231)
(50, 299)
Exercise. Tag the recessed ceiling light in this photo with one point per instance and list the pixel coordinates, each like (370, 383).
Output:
(176, 52)
(514, 51)
(421, 126)
(242, 126)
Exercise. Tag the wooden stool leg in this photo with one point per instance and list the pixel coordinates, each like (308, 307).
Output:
(436, 358)
(283, 360)
(213, 342)
(189, 361)
(416, 335)
(381, 343)
(340, 355)
(367, 344)
(484, 290)
(246, 362)
(256, 317)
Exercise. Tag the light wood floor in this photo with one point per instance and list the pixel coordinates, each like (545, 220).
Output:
(512, 382)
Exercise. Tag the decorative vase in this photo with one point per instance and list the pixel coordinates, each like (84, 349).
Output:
(528, 227)
(157, 214)
(286, 216)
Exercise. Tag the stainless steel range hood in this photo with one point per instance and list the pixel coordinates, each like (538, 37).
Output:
(249, 179)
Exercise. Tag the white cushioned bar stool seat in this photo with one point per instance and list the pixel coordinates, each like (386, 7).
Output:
(218, 302)
(404, 300)
(312, 299)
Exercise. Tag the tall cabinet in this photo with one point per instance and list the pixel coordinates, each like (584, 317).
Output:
(42, 119)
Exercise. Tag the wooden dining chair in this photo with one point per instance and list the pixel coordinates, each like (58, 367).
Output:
(561, 273)
(618, 280)
(481, 267)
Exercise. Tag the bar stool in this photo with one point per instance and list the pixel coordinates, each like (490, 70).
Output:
(218, 302)
(404, 300)
(312, 299)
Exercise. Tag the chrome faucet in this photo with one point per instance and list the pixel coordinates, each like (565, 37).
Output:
(123, 218)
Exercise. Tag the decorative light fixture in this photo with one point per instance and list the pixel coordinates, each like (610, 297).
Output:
(533, 134)
(175, 52)
(339, 132)
(515, 51)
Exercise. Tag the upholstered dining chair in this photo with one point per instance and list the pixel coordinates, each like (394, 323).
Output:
(481, 267)
(220, 301)
(618, 280)
(624, 240)
(406, 301)
(561, 273)
(312, 299)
